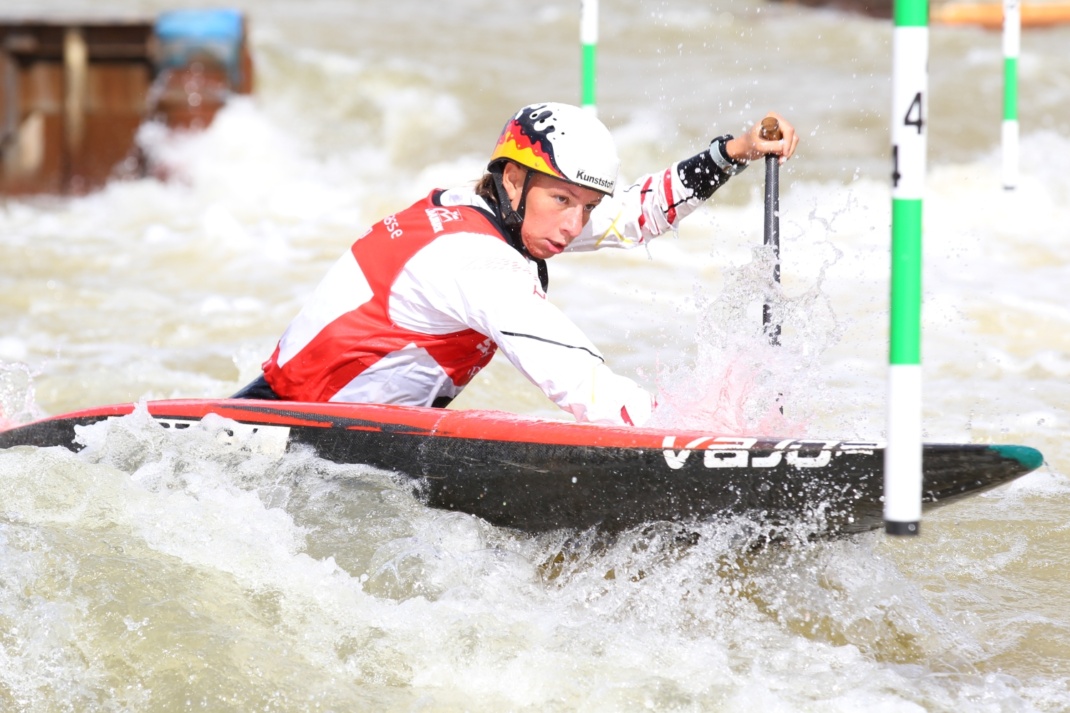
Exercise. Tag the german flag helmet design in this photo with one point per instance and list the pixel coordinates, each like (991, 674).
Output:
(562, 141)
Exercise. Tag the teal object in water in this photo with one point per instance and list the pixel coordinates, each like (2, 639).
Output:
(1030, 458)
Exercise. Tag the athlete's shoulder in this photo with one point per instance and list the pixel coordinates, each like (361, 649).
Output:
(470, 257)
(451, 211)
(462, 196)
(473, 248)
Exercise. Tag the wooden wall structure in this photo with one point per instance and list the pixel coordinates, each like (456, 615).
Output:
(73, 94)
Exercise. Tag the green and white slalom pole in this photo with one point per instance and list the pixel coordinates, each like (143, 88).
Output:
(1012, 44)
(910, 85)
(589, 50)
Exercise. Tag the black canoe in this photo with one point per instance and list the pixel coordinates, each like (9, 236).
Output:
(538, 475)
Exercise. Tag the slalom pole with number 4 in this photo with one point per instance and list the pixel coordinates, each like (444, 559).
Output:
(902, 462)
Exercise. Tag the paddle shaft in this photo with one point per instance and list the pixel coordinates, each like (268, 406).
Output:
(771, 132)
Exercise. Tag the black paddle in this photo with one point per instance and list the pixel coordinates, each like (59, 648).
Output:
(770, 131)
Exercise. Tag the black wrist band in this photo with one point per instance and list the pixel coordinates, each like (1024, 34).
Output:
(719, 154)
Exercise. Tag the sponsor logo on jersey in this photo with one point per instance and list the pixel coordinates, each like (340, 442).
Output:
(440, 216)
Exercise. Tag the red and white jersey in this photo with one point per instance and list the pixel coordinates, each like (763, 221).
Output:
(422, 300)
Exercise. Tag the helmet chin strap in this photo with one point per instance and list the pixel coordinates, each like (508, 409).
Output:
(513, 219)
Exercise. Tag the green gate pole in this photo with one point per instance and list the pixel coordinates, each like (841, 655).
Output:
(902, 459)
(1012, 43)
(589, 49)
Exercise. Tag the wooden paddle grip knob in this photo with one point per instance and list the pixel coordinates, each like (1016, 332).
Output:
(770, 130)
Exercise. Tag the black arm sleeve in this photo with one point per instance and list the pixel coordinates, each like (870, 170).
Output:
(701, 175)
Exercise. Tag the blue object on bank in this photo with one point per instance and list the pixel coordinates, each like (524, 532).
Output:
(184, 35)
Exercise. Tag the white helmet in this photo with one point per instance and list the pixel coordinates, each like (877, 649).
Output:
(562, 141)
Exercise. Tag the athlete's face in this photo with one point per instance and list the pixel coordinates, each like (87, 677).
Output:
(555, 211)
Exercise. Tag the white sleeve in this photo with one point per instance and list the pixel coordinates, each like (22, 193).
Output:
(651, 206)
(478, 281)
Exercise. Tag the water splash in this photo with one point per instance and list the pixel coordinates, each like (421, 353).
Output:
(740, 381)
(18, 403)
